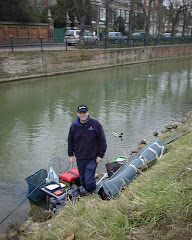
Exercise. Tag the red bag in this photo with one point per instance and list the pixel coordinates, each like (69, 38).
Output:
(69, 177)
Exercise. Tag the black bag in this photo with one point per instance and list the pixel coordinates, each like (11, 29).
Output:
(112, 168)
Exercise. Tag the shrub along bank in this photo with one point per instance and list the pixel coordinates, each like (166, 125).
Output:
(156, 205)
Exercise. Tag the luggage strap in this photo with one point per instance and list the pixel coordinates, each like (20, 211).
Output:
(73, 173)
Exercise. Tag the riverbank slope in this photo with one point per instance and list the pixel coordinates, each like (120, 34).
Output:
(157, 205)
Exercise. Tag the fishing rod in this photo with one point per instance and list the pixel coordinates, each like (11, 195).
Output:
(22, 201)
(173, 139)
(44, 181)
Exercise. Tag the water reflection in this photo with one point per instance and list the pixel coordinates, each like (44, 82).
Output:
(36, 115)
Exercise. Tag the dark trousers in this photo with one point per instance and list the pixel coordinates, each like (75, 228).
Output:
(87, 169)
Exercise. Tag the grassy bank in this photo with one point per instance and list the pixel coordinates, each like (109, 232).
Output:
(157, 205)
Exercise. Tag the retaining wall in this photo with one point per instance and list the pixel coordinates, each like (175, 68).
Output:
(25, 31)
(23, 65)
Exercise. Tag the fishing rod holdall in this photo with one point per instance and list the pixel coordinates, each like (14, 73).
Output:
(111, 186)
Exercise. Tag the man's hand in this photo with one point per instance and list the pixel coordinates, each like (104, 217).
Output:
(71, 159)
(99, 159)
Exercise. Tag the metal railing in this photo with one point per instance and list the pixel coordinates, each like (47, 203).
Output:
(14, 43)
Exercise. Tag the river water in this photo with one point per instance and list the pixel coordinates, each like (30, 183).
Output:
(35, 116)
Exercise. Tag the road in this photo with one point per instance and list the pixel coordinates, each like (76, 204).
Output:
(47, 47)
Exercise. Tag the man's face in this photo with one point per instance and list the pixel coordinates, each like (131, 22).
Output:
(83, 116)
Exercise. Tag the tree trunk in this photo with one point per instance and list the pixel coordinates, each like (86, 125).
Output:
(82, 16)
(130, 21)
(82, 32)
(148, 21)
(107, 23)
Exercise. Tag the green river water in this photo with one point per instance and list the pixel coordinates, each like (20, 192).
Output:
(35, 116)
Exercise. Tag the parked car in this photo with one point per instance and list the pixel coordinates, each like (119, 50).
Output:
(90, 37)
(154, 37)
(72, 37)
(179, 35)
(117, 37)
(166, 36)
(138, 36)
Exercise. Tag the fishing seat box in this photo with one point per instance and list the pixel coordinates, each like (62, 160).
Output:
(70, 177)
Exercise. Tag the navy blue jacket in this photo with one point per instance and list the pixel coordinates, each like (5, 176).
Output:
(88, 144)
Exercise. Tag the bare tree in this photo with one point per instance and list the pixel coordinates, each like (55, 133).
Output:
(108, 7)
(187, 8)
(174, 8)
(160, 13)
(132, 8)
(81, 8)
(147, 11)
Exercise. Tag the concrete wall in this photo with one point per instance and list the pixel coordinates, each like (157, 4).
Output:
(23, 65)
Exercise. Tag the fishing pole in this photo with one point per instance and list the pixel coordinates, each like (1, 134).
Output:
(30, 192)
(173, 139)
(22, 201)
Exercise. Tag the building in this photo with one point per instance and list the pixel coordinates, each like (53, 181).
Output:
(46, 3)
(122, 8)
(159, 21)
(116, 8)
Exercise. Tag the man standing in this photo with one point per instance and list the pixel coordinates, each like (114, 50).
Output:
(87, 141)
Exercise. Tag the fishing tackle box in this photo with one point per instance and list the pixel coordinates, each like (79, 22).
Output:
(69, 177)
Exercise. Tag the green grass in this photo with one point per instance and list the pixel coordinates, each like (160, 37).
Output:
(156, 205)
